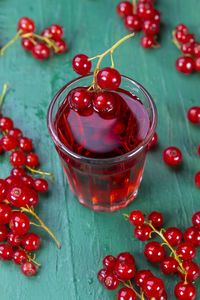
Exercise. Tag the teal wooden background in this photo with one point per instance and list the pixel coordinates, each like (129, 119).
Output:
(91, 26)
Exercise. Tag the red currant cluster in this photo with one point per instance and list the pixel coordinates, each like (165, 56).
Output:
(142, 16)
(180, 259)
(186, 42)
(40, 46)
(19, 194)
(121, 269)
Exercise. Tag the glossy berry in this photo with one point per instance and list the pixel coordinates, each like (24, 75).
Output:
(8, 143)
(109, 262)
(26, 25)
(197, 64)
(136, 218)
(153, 287)
(126, 257)
(133, 22)
(186, 251)
(40, 51)
(19, 223)
(145, 10)
(193, 115)
(124, 271)
(111, 282)
(80, 99)
(169, 265)
(3, 189)
(192, 270)
(27, 44)
(187, 48)
(40, 185)
(185, 291)
(102, 275)
(192, 235)
(14, 239)
(196, 50)
(150, 27)
(196, 219)
(17, 158)
(126, 293)
(15, 132)
(154, 252)
(17, 172)
(6, 123)
(32, 160)
(3, 233)
(12, 181)
(5, 213)
(56, 31)
(33, 198)
(19, 257)
(18, 196)
(25, 144)
(31, 241)
(156, 219)
(197, 179)
(6, 252)
(172, 156)
(190, 38)
(153, 141)
(124, 8)
(105, 103)
(81, 65)
(185, 64)
(62, 45)
(27, 180)
(141, 276)
(181, 36)
(142, 233)
(173, 235)
(147, 42)
(182, 27)
(109, 78)
(28, 269)
(156, 16)
(46, 32)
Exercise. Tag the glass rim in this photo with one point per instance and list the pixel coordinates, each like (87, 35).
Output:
(98, 161)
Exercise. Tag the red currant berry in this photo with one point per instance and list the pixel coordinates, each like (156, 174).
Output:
(40, 51)
(111, 282)
(156, 219)
(1, 150)
(105, 103)
(187, 48)
(12, 181)
(56, 31)
(169, 265)
(18, 196)
(126, 293)
(17, 172)
(81, 64)
(80, 99)
(196, 50)
(124, 271)
(147, 42)
(14, 239)
(133, 22)
(192, 270)
(153, 141)
(109, 262)
(32, 160)
(31, 241)
(163, 296)
(182, 27)
(143, 232)
(19, 257)
(126, 257)
(153, 287)
(174, 236)
(154, 252)
(40, 185)
(185, 291)
(186, 251)
(8, 143)
(198, 149)
(102, 275)
(141, 276)
(124, 8)
(17, 158)
(28, 269)
(185, 64)
(181, 36)
(172, 156)
(3, 189)
(156, 16)
(27, 44)
(193, 115)
(6, 252)
(150, 27)
(3, 233)
(190, 38)
(62, 45)
(26, 25)
(196, 219)
(197, 179)
(197, 64)
(46, 32)
(145, 10)
(192, 235)
(6, 123)
(19, 223)
(33, 198)
(109, 78)
(5, 213)
(25, 144)
(15, 132)
(27, 180)
(136, 218)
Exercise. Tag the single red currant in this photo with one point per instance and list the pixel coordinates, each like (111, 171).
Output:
(154, 252)
(124, 271)
(163, 296)
(156, 16)
(109, 78)
(196, 219)
(185, 64)
(109, 262)
(153, 287)
(190, 38)
(172, 156)
(6, 252)
(56, 31)
(193, 114)
(174, 236)
(150, 27)
(197, 179)
(126, 293)
(46, 32)
(32, 160)
(40, 51)
(143, 232)
(105, 103)
(3, 233)
(5, 213)
(27, 44)
(17, 172)
(14, 239)
(40, 185)
(186, 251)
(147, 42)
(19, 223)
(12, 181)
(192, 235)
(141, 276)
(8, 143)
(25, 144)
(18, 196)
(181, 36)
(15, 132)
(31, 241)
(62, 45)
(6, 123)
(185, 291)
(19, 257)
(33, 198)
(153, 141)
(102, 275)
(126, 257)
(26, 25)
(28, 269)
(145, 10)
(198, 149)
(187, 48)
(3, 189)
(133, 22)
(136, 218)
(169, 265)
(27, 180)
(192, 271)
(81, 64)
(17, 158)
(196, 50)
(80, 99)
(182, 27)
(124, 8)
(111, 282)
(156, 219)
(197, 64)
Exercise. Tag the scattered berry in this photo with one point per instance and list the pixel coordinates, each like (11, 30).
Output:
(5, 213)
(124, 8)
(192, 235)
(153, 287)
(172, 156)
(193, 115)
(124, 271)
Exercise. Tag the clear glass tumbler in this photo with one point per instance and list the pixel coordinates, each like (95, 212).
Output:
(103, 184)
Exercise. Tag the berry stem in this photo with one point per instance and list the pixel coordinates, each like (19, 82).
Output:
(49, 42)
(41, 172)
(134, 6)
(11, 42)
(129, 285)
(174, 40)
(3, 95)
(34, 224)
(30, 258)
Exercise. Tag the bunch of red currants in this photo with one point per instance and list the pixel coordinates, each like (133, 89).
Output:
(142, 16)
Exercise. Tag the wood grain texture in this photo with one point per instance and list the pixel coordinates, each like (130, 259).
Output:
(91, 26)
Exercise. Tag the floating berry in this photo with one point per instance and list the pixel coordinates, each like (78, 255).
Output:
(81, 64)
(143, 232)
(153, 287)
(17, 158)
(192, 270)
(14, 239)
(109, 262)
(17, 172)
(169, 265)
(80, 99)
(136, 218)
(32, 160)
(185, 64)
(28, 269)
(192, 235)
(6, 123)
(3, 233)
(186, 251)
(18, 196)
(154, 252)
(109, 78)
(147, 42)
(15, 132)
(196, 219)
(31, 241)
(40, 185)
(197, 179)
(40, 51)
(6, 252)
(62, 45)
(25, 144)
(105, 103)
(141, 276)
(56, 31)
(26, 25)
(156, 219)
(111, 282)
(133, 22)
(19, 257)
(150, 27)
(185, 291)
(193, 115)
(172, 156)
(19, 223)
(27, 44)
(124, 8)
(33, 198)
(102, 275)
(153, 141)
(173, 235)
(8, 143)
(3, 189)
(126, 257)
(126, 293)
(5, 213)
(124, 271)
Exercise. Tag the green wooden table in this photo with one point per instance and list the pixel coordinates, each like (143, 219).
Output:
(91, 26)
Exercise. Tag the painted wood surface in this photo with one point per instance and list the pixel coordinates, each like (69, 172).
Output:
(91, 26)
